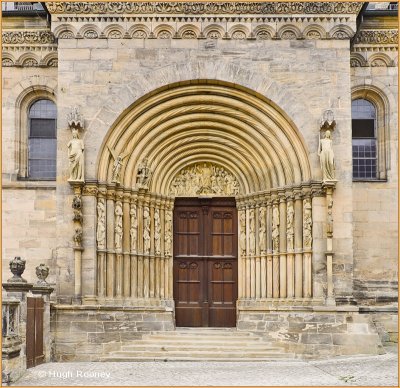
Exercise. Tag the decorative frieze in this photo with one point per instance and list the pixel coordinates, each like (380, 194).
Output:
(203, 8)
(377, 37)
(27, 37)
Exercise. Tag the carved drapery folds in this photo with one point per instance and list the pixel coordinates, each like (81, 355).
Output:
(134, 247)
(204, 179)
(75, 148)
(276, 243)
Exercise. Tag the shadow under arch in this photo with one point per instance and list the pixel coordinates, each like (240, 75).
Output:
(227, 124)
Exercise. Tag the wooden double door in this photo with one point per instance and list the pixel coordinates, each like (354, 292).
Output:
(205, 262)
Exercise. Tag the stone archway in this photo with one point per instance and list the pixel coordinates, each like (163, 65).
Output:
(223, 126)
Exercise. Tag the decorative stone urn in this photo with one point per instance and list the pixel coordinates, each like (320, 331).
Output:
(17, 267)
(42, 271)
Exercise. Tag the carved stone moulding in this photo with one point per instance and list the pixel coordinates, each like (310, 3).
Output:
(204, 179)
(27, 37)
(196, 8)
(377, 37)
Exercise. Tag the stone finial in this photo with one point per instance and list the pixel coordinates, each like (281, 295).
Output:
(17, 267)
(75, 119)
(42, 271)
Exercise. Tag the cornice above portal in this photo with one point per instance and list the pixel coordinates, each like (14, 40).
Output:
(204, 8)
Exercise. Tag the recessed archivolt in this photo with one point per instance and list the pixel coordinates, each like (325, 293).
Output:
(65, 31)
(341, 31)
(215, 123)
(264, 32)
(114, 31)
(289, 32)
(164, 31)
(314, 31)
(239, 32)
(189, 31)
(379, 59)
(139, 31)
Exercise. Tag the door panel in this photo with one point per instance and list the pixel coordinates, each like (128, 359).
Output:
(205, 262)
(34, 332)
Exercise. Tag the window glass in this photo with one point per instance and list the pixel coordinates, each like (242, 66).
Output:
(364, 139)
(42, 140)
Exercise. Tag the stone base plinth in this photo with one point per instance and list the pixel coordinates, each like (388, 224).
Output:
(314, 332)
(86, 333)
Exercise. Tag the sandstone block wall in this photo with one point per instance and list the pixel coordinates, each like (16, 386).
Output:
(87, 334)
(315, 334)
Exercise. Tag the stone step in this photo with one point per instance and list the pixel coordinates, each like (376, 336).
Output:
(193, 348)
(281, 357)
(187, 338)
(205, 334)
(200, 355)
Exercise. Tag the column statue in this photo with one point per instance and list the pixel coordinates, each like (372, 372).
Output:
(76, 158)
(325, 152)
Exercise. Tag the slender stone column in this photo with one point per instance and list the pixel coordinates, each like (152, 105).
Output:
(257, 251)
(269, 249)
(134, 246)
(162, 259)
(170, 257)
(140, 244)
(282, 245)
(146, 247)
(101, 245)
(118, 249)
(252, 250)
(275, 246)
(307, 247)
(242, 250)
(298, 243)
(110, 282)
(248, 253)
(126, 246)
(290, 245)
(152, 254)
(262, 242)
(329, 187)
(78, 240)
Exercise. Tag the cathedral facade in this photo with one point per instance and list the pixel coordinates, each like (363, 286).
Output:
(204, 164)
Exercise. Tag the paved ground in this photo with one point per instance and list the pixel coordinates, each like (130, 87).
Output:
(373, 371)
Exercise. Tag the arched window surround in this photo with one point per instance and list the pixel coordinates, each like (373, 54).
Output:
(25, 100)
(376, 97)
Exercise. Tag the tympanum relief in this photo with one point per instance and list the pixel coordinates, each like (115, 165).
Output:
(204, 179)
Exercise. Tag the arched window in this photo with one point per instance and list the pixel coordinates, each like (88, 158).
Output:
(42, 142)
(364, 128)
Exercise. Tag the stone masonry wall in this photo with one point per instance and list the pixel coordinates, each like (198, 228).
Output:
(375, 204)
(105, 76)
(315, 334)
(87, 334)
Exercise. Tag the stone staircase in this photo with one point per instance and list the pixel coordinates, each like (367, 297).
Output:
(199, 344)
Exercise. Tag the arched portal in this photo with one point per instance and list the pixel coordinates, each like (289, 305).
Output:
(204, 138)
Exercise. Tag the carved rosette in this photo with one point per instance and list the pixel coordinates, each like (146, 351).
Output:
(204, 179)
